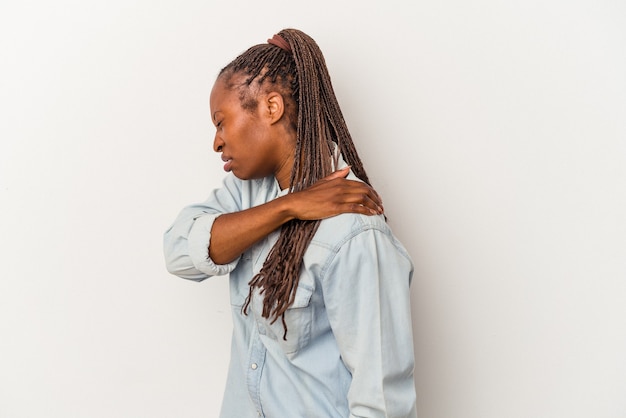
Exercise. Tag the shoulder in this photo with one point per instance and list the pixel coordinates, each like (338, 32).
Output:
(333, 233)
(349, 245)
(349, 224)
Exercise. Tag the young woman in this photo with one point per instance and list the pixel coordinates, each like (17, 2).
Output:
(319, 285)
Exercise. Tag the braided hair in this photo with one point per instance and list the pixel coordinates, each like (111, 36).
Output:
(298, 71)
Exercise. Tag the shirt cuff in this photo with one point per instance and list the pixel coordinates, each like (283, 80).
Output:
(198, 241)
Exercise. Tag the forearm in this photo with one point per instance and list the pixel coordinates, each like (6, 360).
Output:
(233, 233)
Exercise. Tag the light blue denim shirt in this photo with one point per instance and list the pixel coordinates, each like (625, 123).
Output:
(349, 347)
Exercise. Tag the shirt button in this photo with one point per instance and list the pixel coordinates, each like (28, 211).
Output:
(253, 366)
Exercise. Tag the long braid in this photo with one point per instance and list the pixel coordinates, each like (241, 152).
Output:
(302, 77)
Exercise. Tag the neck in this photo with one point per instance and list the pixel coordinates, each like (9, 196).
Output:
(283, 176)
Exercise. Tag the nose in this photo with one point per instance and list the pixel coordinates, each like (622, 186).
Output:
(218, 143)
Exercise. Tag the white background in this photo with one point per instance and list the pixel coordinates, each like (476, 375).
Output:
(494, 131)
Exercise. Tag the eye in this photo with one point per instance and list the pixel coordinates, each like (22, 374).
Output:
(218, 124)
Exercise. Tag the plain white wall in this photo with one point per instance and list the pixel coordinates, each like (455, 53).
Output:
(495, 132)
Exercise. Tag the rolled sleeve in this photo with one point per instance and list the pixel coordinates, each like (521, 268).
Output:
(186, 241)
(199, 240)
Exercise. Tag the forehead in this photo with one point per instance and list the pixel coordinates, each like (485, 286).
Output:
(222, 96)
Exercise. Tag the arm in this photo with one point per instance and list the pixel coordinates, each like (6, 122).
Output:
(233, 233)
(186, 241)
(207, 239)
(366, 291)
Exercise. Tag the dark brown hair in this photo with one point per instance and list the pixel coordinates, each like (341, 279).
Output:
(302, 77)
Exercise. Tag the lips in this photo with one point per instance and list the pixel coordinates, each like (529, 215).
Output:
(228, 161)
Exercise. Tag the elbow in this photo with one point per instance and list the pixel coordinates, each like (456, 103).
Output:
(172, 266)
(185, 271)
(182, 266)
(191, 262)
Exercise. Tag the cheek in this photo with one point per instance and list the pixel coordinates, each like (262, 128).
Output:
(256, 143)
(245, 134)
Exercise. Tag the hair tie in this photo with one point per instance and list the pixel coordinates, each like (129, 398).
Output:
(280, 42)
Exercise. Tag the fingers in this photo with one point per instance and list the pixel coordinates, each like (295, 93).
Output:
(340, 173)
(359, 197)
(369, 204)
(334, 195)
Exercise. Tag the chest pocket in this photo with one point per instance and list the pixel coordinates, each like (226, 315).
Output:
(298, 318)
(249, 264)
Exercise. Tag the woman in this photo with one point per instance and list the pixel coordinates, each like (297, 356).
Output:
(319, 285)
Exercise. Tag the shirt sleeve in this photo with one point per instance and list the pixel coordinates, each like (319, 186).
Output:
(366, 292)
(186, 241)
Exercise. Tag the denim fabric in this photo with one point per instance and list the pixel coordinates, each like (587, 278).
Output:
(349, 347)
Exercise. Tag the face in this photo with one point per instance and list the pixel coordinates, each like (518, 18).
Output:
(253, 145)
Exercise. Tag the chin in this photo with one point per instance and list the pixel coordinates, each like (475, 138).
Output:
(241, 176)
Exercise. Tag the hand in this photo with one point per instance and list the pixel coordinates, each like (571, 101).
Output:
(333, 195)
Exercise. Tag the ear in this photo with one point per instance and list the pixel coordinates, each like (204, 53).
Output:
(275, 106)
